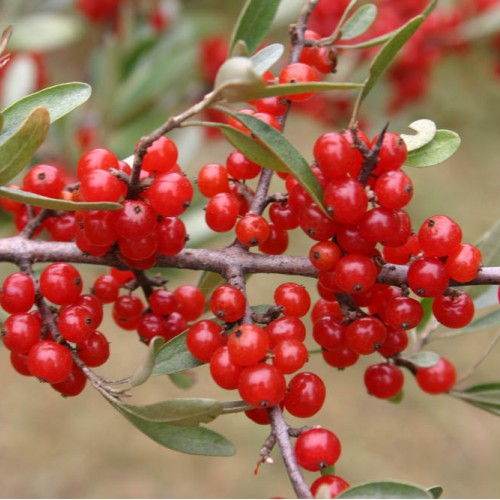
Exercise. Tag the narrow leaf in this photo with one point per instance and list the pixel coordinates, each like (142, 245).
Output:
(488, 321)
(145, 370)
(174, 357)
(191, 440)
(427, 305)
(426, 131)
(424, 359)
(20, 147)
(58, 100)
(299, 88)
(187, 412)
(487, 299)
(1, 122)
(254, 23)
(483, 396)
(489, 244)
(266, 57)
(387, 54)
(208, 282)
(287, 154)
(53, 203)
(359, 22)
(247, 145)
(385, 489)
(443, 145)
(182, 380)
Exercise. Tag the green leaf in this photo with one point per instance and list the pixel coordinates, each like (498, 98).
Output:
(427, 305)
(387, 54)
(45, 31)
(440, 148)
(208, 282)
(385, 489)
(299, 88)
(266, 57)
(174, 357)
(57, 100)
(1, 122)
(426, 131)
(359, 22)
(145, 370)
(487, 321)
(487, 299)
(435, 491)
(287, 154)
(187, 412)
(20, 147)
(398, 398)
(254, 23)
(246, 145)
(53, 203)
(191, 440)
(424, 359)
(483, 396)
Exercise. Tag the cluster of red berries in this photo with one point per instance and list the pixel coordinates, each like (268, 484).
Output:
(46, 349)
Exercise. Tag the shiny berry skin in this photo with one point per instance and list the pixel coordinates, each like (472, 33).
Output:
(325, 308)
(96, 159)
(262, 385)
(285, 328)
(224, 372)
(75, 323)
(427, 277)
(453, 311)
(228, 303)
(240, 167)
(293, 298)
(324, 255)
(276, 243)
(403, 253)
(438, 378)
(395, 342)
(18, 293)
(50, 361)
(97, 227)
(379, 224)
(340, 358)
(383, 380)
(44, 180)
(170, 194)
(350, 240)
(290, 356)
(152, 325)
(213, 178)
(20, 363)
(135, 220)
(60, 283)
(94, 350)
(252, 229)
(298, 73)
(106, 288)
(20, 332)
(332, 485)
(463, 263)
(100, 185)
(393, 153)
(305, 395)
(394, 189)
(365, 335)
(316, 224)
(171, 236)
(163, 302)
(333, 155)
(221, 212)
(346, 200)
(161, 156)
(73, 384)
(403, 312)
(328, 332)
(355, 273)
(204, 338)
(247, 344)
(190, 300)
(439, 236)
(282, 216)
(317, 449)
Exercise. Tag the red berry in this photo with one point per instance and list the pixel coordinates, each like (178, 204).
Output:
(240, 167)
(289, 356)
(44, 180)
(365, 335)
(355, 273)
(73, 384)
(252, 229)
(60, 283)
(21, 332)
(170, 194)
(293, 298)
(463, 263)
(204, 338)
(393, 153)
(427, 277)
(135, 220)
(328, 332)
(453, 311)
(298, 73)
(94, 350)
(190, 300)
(163, 302)
(404, 313)
(221, 212)
(262, 385)
(384, 380)
(285, 328)
(106, 288)
(306, 395)
(100, 185)
(213, 179)
(161, 156)
(439, 236)
(18, 293)
(96, 159)
(394, 189)
(324, 255)
(75, 323)
(228, 303)
(346, 200)
(224, 372)
(333, 155)
(247, 345)
(50, 361)
(340, 358)
(438, 378)
(276, 243)
(331, 485)
(317, 449)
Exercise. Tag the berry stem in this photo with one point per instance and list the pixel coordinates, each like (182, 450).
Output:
(280, 431)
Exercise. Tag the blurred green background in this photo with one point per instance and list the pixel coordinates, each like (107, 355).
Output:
(81, 447)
